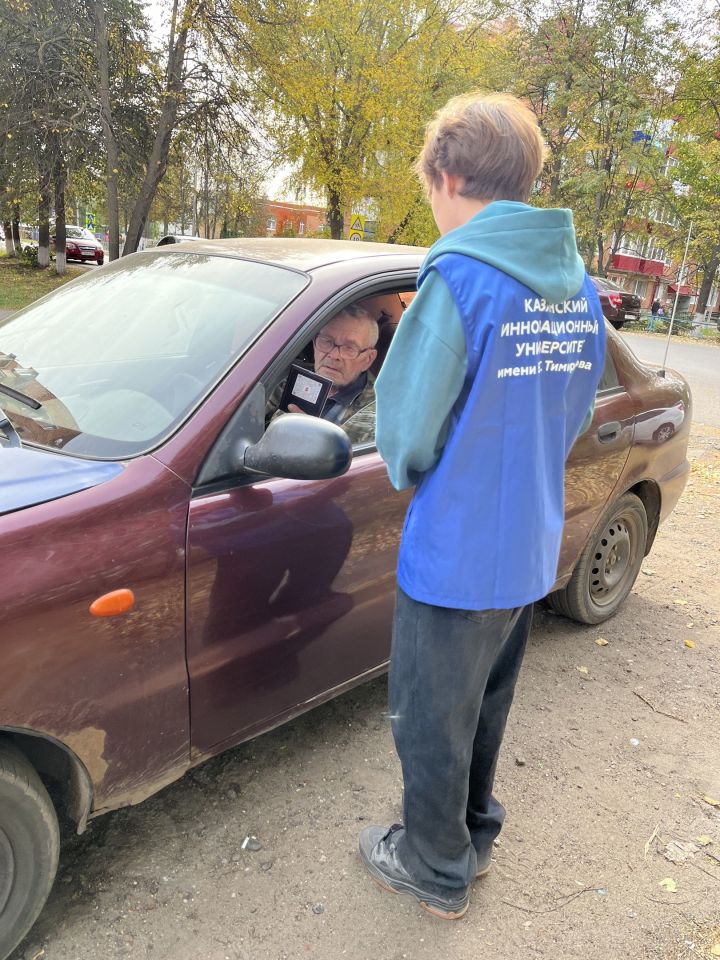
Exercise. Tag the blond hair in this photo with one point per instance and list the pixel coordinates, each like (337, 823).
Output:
(492, 141)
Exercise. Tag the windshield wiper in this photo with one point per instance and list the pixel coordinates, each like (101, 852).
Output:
(20, 397)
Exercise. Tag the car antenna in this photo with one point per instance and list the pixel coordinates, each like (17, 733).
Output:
(681, 277)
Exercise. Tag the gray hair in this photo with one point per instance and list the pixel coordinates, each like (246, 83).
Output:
(356, 312)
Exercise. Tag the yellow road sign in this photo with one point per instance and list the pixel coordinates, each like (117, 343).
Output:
(357, 227)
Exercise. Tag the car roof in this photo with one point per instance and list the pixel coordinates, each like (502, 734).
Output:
(293, 252)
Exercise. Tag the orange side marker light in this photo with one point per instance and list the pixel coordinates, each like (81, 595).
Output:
(112, 604)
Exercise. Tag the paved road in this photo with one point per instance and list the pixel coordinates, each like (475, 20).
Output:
(699, 363)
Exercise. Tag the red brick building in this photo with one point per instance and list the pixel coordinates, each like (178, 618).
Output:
(293, 219)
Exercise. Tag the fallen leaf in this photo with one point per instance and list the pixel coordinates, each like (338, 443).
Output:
(601, 642)
(690, 624)
(713, 803)
(648, 573)
(704, 841)
(690, 644)
(668, 884)
(584, 672)
(680, 603)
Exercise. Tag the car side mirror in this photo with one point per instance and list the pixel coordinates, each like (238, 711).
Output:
(299, 447)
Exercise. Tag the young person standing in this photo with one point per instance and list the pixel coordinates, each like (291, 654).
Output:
(486, 385)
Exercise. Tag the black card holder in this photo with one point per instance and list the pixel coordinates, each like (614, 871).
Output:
(306, 390)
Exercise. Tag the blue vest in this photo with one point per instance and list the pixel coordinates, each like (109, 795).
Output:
(484, 528)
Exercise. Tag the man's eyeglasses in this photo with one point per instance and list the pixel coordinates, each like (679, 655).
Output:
(347, 351)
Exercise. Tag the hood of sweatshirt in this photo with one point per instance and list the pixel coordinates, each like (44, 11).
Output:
(535, 246)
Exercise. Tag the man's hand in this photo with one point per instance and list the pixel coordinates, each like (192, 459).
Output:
(293, 408)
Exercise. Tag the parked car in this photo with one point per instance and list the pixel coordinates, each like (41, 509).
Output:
(623, 304)
(183, 577)
(658, 426)
(80, 244)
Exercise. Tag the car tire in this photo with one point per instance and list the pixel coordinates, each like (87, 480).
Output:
(608, 566)
(29, 846)
(618, 324)
(664, 432)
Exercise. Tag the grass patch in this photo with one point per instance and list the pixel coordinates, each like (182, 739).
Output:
(20, 283)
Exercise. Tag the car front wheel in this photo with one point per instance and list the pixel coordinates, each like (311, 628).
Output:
(608, 566)
(29, 846)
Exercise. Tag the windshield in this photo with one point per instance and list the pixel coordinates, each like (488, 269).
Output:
(118, 358)
(79, 233)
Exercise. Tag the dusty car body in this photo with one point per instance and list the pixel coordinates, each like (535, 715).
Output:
(231, 598)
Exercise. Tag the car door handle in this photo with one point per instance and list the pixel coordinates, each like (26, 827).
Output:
(608, 431)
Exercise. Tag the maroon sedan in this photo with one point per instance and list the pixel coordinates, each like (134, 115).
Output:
(81, 244)
(177, 576)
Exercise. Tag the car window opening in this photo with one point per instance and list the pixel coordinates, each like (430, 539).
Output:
(358, 416)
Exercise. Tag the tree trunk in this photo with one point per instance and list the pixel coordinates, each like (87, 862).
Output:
(335, 215)
(60, 234)
(9, 245)
(43, 258)
(158, 160)
(397, 231)
(106, 119)
(600, 251)
(16, 229)
(708, 278)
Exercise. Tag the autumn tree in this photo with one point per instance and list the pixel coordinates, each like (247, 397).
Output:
(45, 107)
(696, 150)
(344, 88)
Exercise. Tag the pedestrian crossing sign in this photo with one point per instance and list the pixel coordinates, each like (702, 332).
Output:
(90, 221)
(357, 227)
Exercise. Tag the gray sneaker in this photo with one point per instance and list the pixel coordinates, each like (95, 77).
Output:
(379, 853)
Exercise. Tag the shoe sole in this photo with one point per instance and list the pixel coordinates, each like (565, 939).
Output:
(426, 905)
(483, 872)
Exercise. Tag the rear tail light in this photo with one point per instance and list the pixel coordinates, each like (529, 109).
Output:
(615, 299)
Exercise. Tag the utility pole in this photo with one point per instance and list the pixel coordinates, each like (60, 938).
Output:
(681, 277)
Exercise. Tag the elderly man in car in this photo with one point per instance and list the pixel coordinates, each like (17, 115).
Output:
(344, 350)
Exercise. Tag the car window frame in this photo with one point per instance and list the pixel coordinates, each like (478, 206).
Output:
(388, 282)
(359, 290)
(619, 387)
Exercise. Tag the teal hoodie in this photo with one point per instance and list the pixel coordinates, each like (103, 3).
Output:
(425, 368)
(535, 246)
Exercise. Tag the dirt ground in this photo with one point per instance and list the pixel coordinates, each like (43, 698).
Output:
(603, 769)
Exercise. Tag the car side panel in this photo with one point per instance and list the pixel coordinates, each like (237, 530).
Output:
(290, 594)
(593, 472)
(112, 690)
(662, 460)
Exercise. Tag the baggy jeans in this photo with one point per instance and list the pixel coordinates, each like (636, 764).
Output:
(452, 679)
